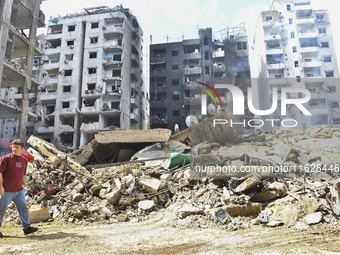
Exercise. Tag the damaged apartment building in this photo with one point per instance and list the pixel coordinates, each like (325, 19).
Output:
(294, 48)
(92, 77)
(19, 46)
(178, 69)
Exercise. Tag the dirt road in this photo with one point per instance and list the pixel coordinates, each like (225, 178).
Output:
(155, 236)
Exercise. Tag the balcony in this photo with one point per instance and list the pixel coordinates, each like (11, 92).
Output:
(308, 35)
(319, 94)
(112, 31)
(51, 65)
(134, 101)
(304, 50)
(272, 37)
(193, 70)
(194, 55)
(311, 64)
(44, 130)
(48, 96)
(89, 127)
(275, 51)
(315, 79)
(276, 66)
(66, 129)
(218, 54)
(133, 116)
(277, 82)
(305, 21)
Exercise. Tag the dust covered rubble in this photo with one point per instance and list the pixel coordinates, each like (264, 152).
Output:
(133, 192)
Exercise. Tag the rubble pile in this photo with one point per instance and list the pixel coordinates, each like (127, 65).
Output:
(155, 180)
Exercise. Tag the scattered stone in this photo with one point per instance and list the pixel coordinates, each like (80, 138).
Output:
(313, 218)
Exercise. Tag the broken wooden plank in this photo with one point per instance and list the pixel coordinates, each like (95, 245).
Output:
(133, 136)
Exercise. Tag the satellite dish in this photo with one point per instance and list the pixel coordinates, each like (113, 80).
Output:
(218, 109)
(211, 109)
(191, 120)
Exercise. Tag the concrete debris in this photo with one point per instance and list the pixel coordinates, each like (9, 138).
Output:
(132, 190)
(313, 218)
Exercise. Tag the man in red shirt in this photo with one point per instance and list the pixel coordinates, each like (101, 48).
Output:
(12, 185)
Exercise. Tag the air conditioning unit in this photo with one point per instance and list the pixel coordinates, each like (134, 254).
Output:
(103, 27)
(66, 61)
(61, 72)
(71, 46)
(86, 91)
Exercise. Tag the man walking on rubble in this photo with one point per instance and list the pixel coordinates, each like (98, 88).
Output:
(12, 185)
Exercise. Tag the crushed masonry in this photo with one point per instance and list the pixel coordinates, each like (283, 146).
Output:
(131, 190)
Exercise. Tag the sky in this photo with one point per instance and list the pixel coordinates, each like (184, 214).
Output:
(172, 19)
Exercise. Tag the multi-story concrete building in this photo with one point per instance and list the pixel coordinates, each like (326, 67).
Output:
(294, 48)
(19, 22)
(94, 78)
(177, 70)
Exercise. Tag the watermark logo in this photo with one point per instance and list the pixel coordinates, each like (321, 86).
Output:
(238, 100)
(204, 97)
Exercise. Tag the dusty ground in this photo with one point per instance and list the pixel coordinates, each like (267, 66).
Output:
(154, 236)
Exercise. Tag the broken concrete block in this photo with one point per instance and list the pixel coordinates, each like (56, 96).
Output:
(121, 217)
(113, 197)
(78, 197)
(95, 187)
(274, 223)
(251, 181)
(37, 214)
(127, 180)
(201, 192)
(188, 210)
(244, 210)
(150, 184)
(133, 136)
(165, 177)
(191, 175)
(146, 204)
(313, 218)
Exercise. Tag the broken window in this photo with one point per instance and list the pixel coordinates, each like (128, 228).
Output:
(174, 53)
(93, 54)
(296, 63)
(320, 18)
(329, 74)
(159, 52)
(273, 45)
(67, 89)
(294, 49)
(91, 86)
(288, 7)
(94, 25)
(206, 41)
(241, 45)
(70, 43)
(334, 104)
(175, 67)
(175, 96)
(69, 57)
(268, 18)
(206, 55)
(175, 82)
(71, 28)
(117, 57)
(65, 104)
(92, 70)
(332, 89)
(290, 21)
(292, 35)
(116, 73)
(324, 45)
(93, 39)
(298, 78)
(327, 59)
(175, 113)
(308, 42)
(322, 30)
(68, 72)
(207, 70)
